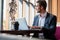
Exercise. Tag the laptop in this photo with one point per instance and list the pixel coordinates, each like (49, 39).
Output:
(22, 24)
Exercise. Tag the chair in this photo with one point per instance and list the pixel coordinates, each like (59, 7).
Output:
(57, 34)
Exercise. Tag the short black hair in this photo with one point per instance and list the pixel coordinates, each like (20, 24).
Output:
(42, 3)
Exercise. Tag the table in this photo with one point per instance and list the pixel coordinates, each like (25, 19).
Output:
(4, 36)
(21, 32)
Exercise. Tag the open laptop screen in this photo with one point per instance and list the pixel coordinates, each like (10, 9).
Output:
(22, 24)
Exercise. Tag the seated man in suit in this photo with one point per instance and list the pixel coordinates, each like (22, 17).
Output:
(44, 21)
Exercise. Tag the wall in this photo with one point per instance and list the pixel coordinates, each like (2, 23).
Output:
(1, 12)
(56, 10)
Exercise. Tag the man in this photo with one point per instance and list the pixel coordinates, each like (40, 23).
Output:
(44, 21)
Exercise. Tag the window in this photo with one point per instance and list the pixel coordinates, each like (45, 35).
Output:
(25, 8)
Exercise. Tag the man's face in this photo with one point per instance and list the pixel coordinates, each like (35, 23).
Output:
(38, 7)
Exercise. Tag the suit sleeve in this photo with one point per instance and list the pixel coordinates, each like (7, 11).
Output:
(52, 26)
(34, 22)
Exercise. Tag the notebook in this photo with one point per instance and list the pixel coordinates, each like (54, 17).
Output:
(22, 24)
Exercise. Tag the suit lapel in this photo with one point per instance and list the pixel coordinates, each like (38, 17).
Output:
(37, 20)
(46, 20)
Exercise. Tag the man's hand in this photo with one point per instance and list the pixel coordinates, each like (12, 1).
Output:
(35, 27)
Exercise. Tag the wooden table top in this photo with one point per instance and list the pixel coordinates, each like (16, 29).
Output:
(20, 32)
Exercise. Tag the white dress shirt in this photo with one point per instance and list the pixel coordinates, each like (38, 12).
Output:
(42, 19)
(41, 23)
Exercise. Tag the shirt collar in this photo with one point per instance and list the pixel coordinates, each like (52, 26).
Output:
(43, 15)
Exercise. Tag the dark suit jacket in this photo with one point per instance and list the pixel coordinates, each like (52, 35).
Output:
(49, 26)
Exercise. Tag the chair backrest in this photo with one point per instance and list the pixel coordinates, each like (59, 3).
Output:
(57, 34)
